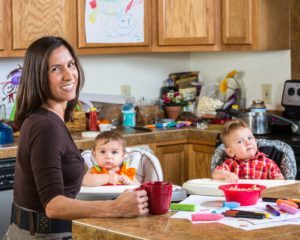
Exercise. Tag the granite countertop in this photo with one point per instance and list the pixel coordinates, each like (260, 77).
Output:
(156, 227)
(134, 137)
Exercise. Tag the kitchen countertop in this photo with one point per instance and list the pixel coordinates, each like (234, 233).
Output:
(134, 137)
(162, 227)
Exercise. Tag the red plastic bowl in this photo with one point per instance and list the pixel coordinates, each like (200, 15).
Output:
(245, 194)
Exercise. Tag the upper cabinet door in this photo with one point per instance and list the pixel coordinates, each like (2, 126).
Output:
(1, 25)
(237, 21)
(114, 26)
(186, 22)
(32, 19)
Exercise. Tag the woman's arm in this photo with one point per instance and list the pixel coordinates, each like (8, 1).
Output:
(128, 204)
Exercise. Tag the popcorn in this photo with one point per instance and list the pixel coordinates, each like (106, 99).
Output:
(207, 105)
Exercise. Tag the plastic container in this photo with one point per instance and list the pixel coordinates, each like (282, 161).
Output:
(93, 126)
(258, 106)
(129, 118)
(245, 194)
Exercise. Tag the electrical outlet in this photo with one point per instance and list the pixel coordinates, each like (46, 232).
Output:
(266, 92)
(126, 90)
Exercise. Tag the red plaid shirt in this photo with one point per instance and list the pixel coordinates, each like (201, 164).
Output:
(259, 167)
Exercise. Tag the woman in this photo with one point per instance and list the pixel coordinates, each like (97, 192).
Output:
(49, 167)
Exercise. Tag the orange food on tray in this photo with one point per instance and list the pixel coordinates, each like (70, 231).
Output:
(103, 121)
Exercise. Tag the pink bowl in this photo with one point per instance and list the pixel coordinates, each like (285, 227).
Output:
(245, 194)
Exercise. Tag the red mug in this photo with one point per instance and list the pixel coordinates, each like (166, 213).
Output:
(159, 196)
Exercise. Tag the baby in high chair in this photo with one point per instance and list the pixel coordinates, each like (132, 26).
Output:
(244, 161)
(111, 167)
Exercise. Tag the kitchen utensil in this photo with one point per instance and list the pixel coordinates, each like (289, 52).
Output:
(245, 194)
(260, 122)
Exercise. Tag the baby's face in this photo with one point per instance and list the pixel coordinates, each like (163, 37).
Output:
(109, 155)
(241, 144)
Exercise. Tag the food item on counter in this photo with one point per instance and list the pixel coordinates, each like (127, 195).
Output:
(207, 105)
(103, 121)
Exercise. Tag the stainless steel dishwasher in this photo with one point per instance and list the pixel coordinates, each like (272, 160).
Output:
(7, 169)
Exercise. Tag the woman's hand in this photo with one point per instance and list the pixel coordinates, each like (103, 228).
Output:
(132, 203)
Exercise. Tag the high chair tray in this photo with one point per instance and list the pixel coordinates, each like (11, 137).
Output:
(209, 187)
(106, 189)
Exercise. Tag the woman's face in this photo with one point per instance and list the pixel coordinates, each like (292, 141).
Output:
(62, 75)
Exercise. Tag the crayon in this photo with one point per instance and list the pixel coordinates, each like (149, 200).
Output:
(272, 210)
(231, 205)
(292, 204)
(287, 208)
(243, 214)
(220, 210)
(268, 199)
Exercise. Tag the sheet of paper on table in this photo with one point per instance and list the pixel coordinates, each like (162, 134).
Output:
(206, 204)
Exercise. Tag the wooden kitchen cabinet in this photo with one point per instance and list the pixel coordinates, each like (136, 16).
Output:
(199, 160)
(185, 25)
(122, 23)
(220, 25)
(173, 159)
(255, 24)
(2, 11)
(237, 17)
(184, 160)
(28, 20)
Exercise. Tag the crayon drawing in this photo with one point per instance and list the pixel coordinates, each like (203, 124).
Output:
(8, 92)
(114, 21)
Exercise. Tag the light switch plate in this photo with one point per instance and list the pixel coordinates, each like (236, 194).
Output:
(266, 91)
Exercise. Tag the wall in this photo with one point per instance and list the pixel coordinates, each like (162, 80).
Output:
(257, 68)
(105, 74)
(145, 72)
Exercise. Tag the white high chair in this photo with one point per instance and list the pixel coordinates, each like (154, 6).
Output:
(148, 169)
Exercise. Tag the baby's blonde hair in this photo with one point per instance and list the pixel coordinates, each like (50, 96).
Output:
(231, 126)
(108, 136)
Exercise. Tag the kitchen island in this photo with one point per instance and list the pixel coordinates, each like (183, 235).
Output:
(165, 228)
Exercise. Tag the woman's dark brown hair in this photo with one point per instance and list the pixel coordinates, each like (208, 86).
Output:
(34, 87)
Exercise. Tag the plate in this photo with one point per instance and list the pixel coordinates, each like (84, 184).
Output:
(209, 187)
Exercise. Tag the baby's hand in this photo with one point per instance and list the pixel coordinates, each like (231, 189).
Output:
(113, 178)
(230, 177)
(125, 180)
